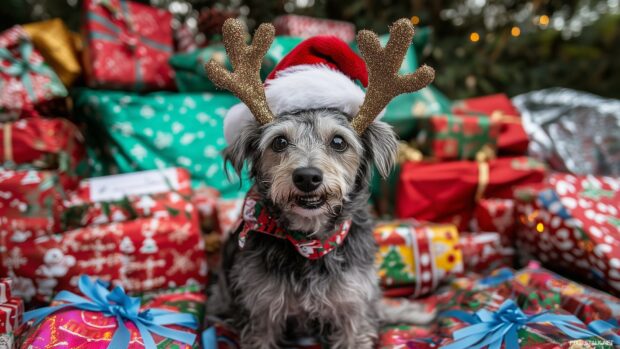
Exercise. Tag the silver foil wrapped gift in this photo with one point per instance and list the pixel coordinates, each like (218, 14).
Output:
(572, 131)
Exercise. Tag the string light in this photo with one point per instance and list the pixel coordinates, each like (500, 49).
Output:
(515, 31)
(540, 227)
(544, 20)
(474, 37)
(415, 20)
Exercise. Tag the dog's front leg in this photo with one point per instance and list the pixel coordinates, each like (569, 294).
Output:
(261, 332)
(355, 330)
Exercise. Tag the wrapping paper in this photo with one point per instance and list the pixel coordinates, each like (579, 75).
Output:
(11, 315)
(447, 192)
(452, 137)
(205, 200)
(128, 45)
(414, 258)
(572, 131)
(573, 223)
(307, 27)
(512, 139)
(484, 252)
(55, 43)
(407, 336)
(141, 255)
(25, 80)
(190, 75)
(496, 215)
(76, 328)
(31, 202)
(159, 130)
(42, 143)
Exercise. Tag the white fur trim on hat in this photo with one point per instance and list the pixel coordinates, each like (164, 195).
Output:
(298, 88)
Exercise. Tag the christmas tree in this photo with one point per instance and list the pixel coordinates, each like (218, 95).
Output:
(394, 267)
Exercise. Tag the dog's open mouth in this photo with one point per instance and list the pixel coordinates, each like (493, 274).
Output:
(310, 202)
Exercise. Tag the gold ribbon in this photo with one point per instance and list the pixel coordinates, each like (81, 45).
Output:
(406, 152)
(499, 116)
(483, 156)
(7, 142)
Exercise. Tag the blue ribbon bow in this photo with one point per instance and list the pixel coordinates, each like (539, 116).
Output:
(493, 329)
(605, 329)
(23, 67)
(118, 304)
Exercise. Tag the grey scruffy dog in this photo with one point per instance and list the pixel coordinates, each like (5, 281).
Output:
(309, 140)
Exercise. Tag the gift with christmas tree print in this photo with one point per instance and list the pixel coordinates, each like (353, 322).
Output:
(142, 255)
(32, 202)
(46, 144)
(25, 79)
(127, 45)
(98, 318)
(190, 75)
(572, 223)
(448, 192)
(413, 259)
(159, 130)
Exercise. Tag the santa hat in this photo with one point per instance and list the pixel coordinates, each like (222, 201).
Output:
(319, 73)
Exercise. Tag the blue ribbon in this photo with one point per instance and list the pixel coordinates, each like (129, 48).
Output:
(605, 329)
(493, 329)
(23, 67)
(124, 308)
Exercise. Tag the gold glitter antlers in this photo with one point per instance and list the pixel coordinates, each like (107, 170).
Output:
(383, 64)
(244, 82)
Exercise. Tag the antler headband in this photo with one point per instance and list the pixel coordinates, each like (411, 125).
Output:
(383, 64)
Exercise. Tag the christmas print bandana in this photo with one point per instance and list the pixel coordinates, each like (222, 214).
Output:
(257, 219)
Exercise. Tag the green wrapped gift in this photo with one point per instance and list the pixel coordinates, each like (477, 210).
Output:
(131, 132)
(189, 67)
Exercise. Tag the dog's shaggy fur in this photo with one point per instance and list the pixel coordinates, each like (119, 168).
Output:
(267, 289)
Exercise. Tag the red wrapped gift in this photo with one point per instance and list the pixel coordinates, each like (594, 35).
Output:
(205, 200)
(5, 289)
(31, 202)
(11, 314)
(127, 45)
(483, 252)
(228, 214)
(512, 139)
(306, 27)
(448, 192)
(496, 215)
(141, 255)
(25, 80)
(118, 187)
(573, 224)
(43, 143)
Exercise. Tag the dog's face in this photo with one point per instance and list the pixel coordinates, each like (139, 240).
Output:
(309, 163)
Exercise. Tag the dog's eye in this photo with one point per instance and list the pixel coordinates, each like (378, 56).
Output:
(279, 144)
(338, 144)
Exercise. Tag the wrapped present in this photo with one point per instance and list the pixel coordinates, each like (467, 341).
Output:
(587, 303)
(496, 215)
(55, 43)
(573, 224)
(448, 192)
(160, 130)
(205, 200)
(573, 131)
(31, 203)
(11, 316)
(228, 214)
(307, 27)
(5, 289)
(407, 336)
(414, 258)
(128, 45)
(99, 319)
(512, 139)
(452, 137)
(509, 326)
(25, 80)
(142, 255)
(42, 143)
(190, 75)
(483, 252)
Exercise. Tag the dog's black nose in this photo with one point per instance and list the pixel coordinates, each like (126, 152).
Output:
(307, 179)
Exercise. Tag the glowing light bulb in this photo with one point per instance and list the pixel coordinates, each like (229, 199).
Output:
(544, 20)
(415, 20)
(515, 31)
(474, 37)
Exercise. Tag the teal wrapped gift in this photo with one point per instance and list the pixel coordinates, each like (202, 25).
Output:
(130, 132)
(189, 68)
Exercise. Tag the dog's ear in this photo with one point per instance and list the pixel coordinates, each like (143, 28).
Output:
(242, 147)
(382, 146)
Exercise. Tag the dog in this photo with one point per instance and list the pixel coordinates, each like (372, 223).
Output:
(302, 260)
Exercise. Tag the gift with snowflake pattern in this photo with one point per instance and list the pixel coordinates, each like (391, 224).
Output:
(159, 130)
(127, 45)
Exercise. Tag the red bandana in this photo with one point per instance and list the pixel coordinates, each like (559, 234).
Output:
(257, 219)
